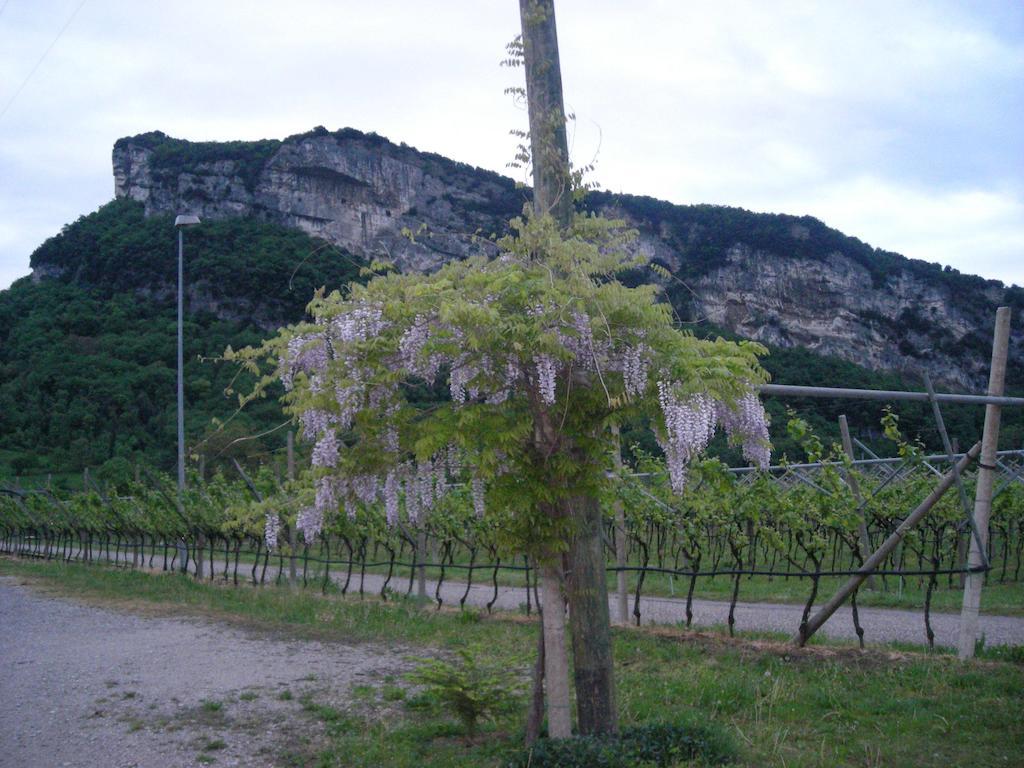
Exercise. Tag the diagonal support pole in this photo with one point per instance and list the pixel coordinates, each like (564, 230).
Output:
(941, 425)
(872, 563)
(854, 486)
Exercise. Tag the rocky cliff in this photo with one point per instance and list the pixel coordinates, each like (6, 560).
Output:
(790, 281)
(357, 191)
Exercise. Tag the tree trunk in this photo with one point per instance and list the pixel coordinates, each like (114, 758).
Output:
(556, 663)
(588, 616)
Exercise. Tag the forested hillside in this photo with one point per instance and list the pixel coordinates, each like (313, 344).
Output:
(87, 346)
(87, 354)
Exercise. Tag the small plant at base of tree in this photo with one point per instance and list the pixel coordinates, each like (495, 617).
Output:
(471, 690)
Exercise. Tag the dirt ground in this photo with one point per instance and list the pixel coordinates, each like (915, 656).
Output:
(82, 685)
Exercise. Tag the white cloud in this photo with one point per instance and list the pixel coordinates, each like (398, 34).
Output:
(978, 231)
(796, 106)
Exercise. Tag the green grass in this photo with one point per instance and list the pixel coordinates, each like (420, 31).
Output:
(823, 706)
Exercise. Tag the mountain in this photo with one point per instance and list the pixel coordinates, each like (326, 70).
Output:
(87, 342)
(785, 280)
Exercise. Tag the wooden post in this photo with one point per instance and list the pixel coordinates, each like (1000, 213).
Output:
(983, 492)
(622, 597)
(851, 481)
(549, 147)
(292, 538)
(872, 563)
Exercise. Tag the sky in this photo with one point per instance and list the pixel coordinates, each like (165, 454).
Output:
(898, 122)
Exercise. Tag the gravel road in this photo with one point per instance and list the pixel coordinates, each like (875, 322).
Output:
(84, 686)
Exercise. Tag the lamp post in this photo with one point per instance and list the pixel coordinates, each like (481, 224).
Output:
(180, 223)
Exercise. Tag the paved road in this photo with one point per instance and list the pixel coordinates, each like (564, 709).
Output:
(881, 625)
(84, 686)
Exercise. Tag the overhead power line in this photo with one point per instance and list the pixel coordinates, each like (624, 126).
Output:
(42, 58)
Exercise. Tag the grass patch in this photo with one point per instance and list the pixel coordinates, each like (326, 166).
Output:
(826, 705)
(659, 746)
(392, 693)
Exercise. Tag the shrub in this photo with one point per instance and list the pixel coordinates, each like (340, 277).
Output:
(472, 690)
(661, 745)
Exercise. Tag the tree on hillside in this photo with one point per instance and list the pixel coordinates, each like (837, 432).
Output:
(541, 349)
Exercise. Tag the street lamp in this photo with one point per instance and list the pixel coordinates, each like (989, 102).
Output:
(180, 223)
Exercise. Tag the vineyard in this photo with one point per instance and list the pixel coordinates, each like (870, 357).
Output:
(730, 533)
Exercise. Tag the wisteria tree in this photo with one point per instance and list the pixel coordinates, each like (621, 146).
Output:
(541, 349)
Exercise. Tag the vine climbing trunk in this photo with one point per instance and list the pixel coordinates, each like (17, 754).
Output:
(552, 194)
(293, 575)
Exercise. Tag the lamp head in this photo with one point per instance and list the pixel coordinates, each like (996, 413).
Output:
(186, 220)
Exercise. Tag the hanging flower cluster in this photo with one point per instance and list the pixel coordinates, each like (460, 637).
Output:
(690, 424)
(426, 347)
(272, 529)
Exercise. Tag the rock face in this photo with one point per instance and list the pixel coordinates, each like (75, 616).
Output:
(357, 191)
(830, 307)
(782, 280)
